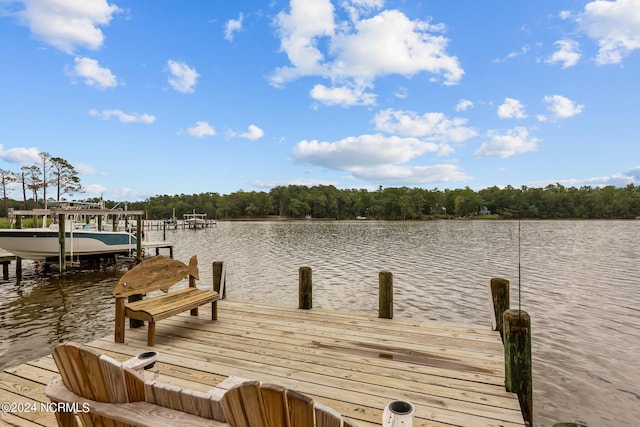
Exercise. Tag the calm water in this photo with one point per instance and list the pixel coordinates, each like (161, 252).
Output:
(580, 285)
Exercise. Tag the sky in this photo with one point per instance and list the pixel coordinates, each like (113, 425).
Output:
(160, 97)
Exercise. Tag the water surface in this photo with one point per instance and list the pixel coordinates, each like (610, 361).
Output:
(579, 283)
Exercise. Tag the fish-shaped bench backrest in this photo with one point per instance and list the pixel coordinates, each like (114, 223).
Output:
(153, 274)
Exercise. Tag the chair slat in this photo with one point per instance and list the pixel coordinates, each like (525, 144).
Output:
(300, 409)
(274, 398)
(113, 380)
(326, 416)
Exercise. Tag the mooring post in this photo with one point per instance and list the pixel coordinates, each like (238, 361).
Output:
(304, 288)
(62, 258)
(219, 279)
(18, 269)
(500, 301)
(385, 295)
(517, 357)
(139, 239)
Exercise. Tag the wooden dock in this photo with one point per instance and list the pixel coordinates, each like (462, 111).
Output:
(354, 362)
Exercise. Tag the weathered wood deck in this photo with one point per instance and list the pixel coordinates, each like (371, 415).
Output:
(353, 362)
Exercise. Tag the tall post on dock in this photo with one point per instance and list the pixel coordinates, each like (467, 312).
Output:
(62, 258)
(139, 239)
(18, 269)
(517, 357)
(500, 301)
(18, 259)
(304, 288)
(219, 279)
(385, 295)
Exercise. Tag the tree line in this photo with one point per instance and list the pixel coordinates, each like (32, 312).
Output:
(326, 201)
(404, 203)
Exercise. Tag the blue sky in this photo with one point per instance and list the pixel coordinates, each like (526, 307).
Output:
(167, 97)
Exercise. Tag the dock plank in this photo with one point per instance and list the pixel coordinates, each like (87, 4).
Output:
(352, 362)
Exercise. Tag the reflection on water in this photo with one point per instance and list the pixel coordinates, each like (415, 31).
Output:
(579, 284)
(45, 309)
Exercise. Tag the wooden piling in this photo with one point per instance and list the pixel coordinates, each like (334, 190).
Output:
(500, 301)
(139, 238)
(385, 295)
(304, 288)
(62, 258)
(517, 358)
(18, 269)
(219, 279)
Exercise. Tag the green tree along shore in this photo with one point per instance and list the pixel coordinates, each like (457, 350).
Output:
(395, 203)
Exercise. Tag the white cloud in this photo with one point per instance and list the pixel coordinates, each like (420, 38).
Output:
(434, 127)
(401, 92)
(615, 25)
(182, 77)
(411, 175)
(201, 129)
(402, 46)
(564, 14)
(20, 155)
(233, 26)
(317, 45)
(464, 105)
(123, 117)
(378, 158)
(562, 107)
(122, 193)
(93, 74)
(68, 24)
(364, 150)
(357, 7)
(512, 142)
(84, 169)
(513, 54)
(621, 179)
(299, 32)
(253, 133)
(568, 53)
(511, 109)
(344, 95)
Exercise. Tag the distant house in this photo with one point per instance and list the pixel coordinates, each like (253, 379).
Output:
(484, 211)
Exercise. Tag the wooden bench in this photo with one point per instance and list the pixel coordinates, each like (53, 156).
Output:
(159, 273)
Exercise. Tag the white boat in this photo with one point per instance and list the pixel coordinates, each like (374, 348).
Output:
(82, 236)
(42, 244)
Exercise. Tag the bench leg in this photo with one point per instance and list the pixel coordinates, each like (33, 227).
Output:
(151, 334)
(194, 311)
(214, 310)
(119, 329)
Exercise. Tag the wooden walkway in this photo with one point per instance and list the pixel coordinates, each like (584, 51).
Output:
(353, 362)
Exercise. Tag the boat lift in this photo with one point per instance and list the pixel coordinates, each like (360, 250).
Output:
(67, 210)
